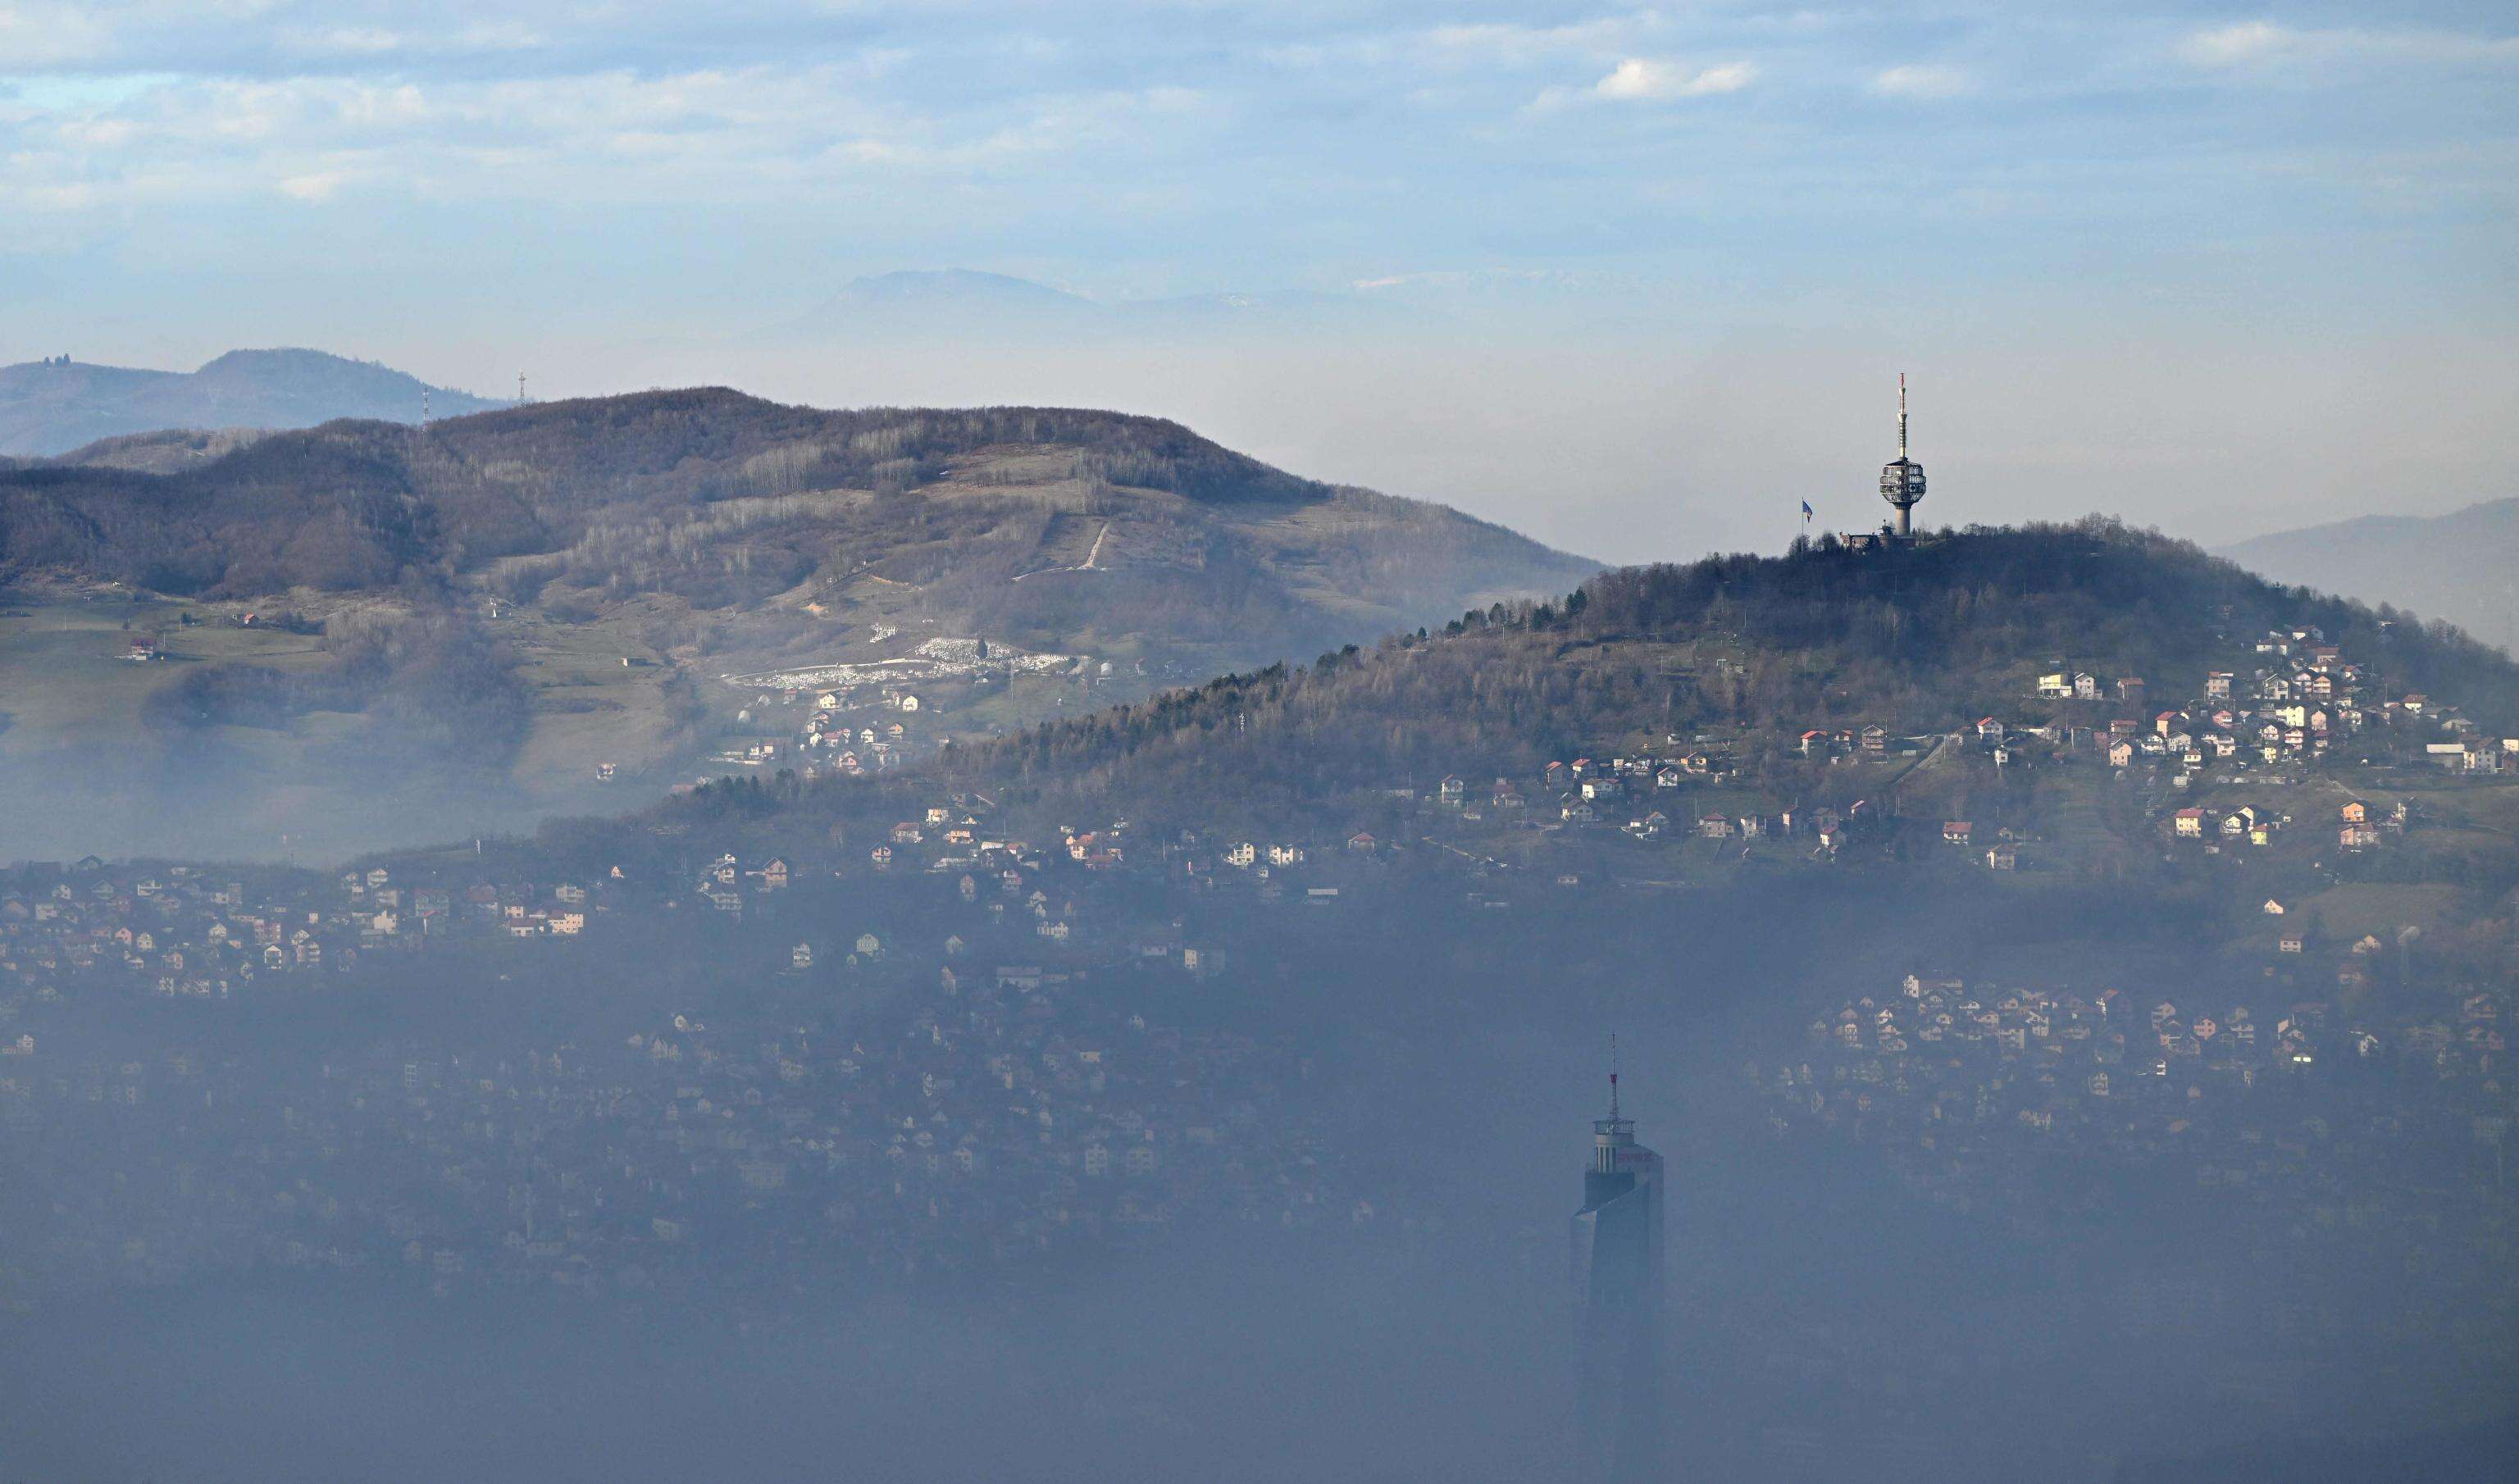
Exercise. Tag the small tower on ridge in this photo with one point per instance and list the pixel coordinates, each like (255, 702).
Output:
(1902, 480)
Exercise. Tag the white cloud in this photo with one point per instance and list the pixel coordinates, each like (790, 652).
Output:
(2237, 45)
(1922, 80)
(1644, 78)
(1514, 44)
(730, 134)
(2263, 43)
(315, 185)
(33, 37)
(352, 41)
(77, 91)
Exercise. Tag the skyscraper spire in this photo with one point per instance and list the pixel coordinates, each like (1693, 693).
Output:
(1618, 1271)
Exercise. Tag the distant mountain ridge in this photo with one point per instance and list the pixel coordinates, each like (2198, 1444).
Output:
(53, 407)
(985, 515)
(2459, 566)
(929, 287)
(962, 301)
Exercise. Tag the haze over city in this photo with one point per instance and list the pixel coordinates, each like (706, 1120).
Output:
(1150, 740)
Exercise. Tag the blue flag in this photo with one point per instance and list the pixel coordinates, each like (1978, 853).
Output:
(1806, 510)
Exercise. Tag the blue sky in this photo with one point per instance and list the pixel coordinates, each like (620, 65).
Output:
(1655, 262)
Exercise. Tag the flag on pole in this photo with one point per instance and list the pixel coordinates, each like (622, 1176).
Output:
(1806, 513)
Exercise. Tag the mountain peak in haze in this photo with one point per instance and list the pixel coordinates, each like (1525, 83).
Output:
(2455, 566)
(951, 294)
(919, 284)
(53, 406)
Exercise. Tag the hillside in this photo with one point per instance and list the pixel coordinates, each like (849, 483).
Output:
(2455, 567)
(53, 407)
(617, 588)
(1919, 642)
(721, 500)
(1900, 687)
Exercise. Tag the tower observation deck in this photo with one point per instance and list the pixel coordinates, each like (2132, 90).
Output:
(1902, 479)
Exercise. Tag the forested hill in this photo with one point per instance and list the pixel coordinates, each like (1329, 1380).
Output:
(1046, 521)
(1755, 651)
(623, 590)
(53, 406)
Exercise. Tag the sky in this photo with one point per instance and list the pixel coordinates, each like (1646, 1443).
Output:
(1637, 281)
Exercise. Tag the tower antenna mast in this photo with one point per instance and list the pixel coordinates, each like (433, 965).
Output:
(1614, 1074)
(1902, 480)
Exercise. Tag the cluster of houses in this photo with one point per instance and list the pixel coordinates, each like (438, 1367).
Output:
(833, 736)
(178, 930)
(981, 1120)
(2303, 698)
(187, 930)
(2323, 1134)
(1620, 792)
(2361, 825)
(1000, 1108)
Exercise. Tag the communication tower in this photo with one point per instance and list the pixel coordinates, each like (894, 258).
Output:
(1902, 480)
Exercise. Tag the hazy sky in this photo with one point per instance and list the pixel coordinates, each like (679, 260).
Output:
(1636, 279)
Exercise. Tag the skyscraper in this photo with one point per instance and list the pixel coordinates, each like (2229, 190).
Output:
(1617, 1251)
